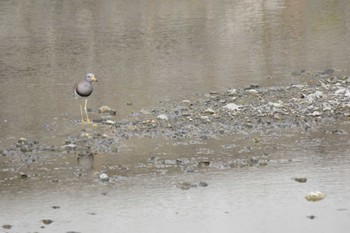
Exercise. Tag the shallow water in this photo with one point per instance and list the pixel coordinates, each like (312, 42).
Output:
(145, 53)
(249, 199)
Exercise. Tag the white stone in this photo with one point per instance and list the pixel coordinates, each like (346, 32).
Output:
(312, 97)
(316, 113)
(340, 91)
(209, 111)
(233, 107)
(315, 196)
(103, 177)
(276, 105)
(110, 122)
(162, 117)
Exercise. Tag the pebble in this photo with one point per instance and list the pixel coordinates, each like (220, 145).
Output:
(184, 185)
(232, 107)
(209, 111)
(300, 179)
(163, 117)
(340, 91)
(316, 113)
(110, 122)
(203, 184)
(252, 91)
(107, 109)
(276, 105)
(69, 147)
(312, 97)
(22, 140)
(232, 92)
(103, 177)
(315, 196)
(47, 221)
(7, 226)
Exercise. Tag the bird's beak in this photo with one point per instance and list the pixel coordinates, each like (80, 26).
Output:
(94, 79)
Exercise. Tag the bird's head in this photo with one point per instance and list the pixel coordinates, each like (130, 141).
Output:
(91, 77)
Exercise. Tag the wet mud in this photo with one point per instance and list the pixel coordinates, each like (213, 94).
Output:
(252, 112)
(177, 144)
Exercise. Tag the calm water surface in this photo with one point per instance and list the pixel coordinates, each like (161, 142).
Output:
(144, 52)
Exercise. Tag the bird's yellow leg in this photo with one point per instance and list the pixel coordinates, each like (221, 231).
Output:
(82, 115)
(87, 116)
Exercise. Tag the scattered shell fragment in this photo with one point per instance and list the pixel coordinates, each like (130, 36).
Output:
(315, 196)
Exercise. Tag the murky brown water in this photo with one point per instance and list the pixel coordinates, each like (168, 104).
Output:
(146, 52)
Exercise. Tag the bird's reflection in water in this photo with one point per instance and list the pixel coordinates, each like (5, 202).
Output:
(86, 160)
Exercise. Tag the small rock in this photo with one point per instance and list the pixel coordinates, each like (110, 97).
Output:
(186, 101)
(103, 177)
(22, 141)
(6, 226)
(315, 196)
(329, 71)
(340, 91)
(183, 185)
(47, 221)
(110, 122)
(232, 92)
(263, 163)
(326, 107)
(85, 135)
(203, 163)
(312, 97)
(279, 104)
(145, 112)
(203, 184)
(5, 152)
(347, 93)
(252, 86)
(300, 179)
(251, 91)
(163, 117)
(232, 107)
(209, 111)
(23, 175)
(107, 109)
(316, 113)
(69, 147)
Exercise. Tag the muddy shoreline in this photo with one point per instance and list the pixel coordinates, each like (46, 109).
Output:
(253, 110)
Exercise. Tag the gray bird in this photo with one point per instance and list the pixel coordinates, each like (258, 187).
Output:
(84, 89)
